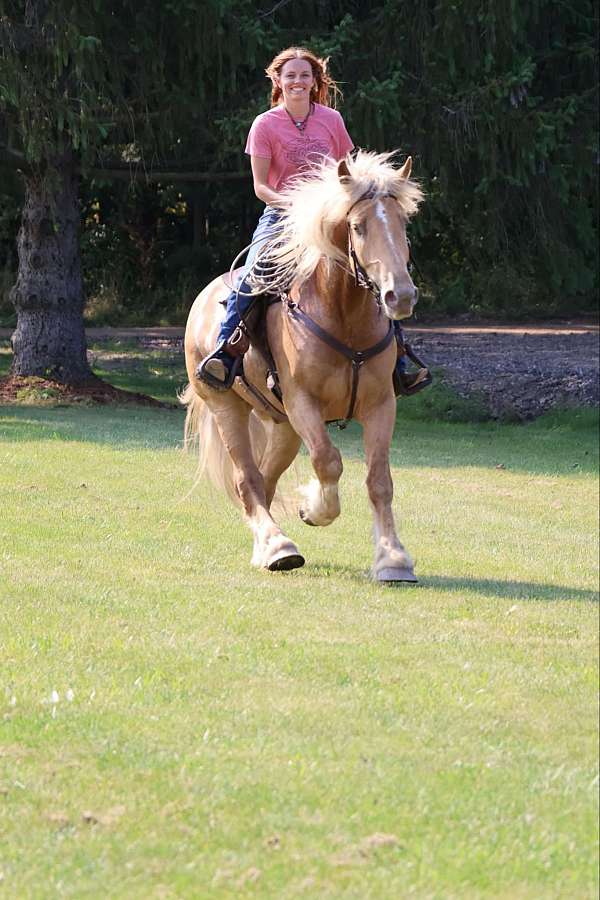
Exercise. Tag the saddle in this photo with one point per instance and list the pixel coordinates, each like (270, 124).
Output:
(252, 331)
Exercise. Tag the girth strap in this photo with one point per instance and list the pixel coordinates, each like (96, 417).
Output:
(356, 357)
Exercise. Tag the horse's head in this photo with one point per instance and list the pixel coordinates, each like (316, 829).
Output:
(378, 244)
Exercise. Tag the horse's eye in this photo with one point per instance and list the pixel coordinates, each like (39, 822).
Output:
(358, 227)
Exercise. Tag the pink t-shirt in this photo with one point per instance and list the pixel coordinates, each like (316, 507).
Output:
(274, 136)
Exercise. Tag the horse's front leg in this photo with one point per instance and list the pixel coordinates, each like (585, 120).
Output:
(321, 501)
(392, 562)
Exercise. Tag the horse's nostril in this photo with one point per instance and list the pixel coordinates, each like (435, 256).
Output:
(392, 298)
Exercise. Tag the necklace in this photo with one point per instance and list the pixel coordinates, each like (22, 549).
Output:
(300, 123)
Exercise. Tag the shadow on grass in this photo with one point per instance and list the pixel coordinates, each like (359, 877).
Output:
(504, 590)
(129, 366)
(564, 442)
(510, 590)
(116, 426)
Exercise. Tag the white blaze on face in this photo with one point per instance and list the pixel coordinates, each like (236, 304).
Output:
(381, 214)
(394, 276)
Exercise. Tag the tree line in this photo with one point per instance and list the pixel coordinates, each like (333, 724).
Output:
(123, 180)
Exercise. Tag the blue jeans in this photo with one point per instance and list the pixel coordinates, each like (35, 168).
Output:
(237, 304)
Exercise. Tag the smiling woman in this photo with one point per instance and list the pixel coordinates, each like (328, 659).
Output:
(297, 133)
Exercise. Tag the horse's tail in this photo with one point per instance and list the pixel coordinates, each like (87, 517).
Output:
(201, 433)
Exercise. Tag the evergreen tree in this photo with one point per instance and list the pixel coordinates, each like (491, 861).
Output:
(498, 103)
(100, 84)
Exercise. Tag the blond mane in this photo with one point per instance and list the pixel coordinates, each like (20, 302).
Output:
(315, 204)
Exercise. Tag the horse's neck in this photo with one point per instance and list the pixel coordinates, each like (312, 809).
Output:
(336, 288)
(333, 298)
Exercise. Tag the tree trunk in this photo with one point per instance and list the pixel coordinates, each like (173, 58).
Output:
(49, 339)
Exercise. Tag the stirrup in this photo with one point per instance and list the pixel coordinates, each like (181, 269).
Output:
(213, 382)
(408, 383)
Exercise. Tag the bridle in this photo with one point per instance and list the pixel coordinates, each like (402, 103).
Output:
(361, 278)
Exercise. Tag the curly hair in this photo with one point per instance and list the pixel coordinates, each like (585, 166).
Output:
(324, 91)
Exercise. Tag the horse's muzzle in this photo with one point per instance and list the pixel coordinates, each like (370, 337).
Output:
(400, 304)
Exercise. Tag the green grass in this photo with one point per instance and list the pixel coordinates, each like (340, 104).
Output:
(5, 357)
(176, 724)
(159, 373)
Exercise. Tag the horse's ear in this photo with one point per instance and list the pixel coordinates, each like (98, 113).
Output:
(344, 172)
(406, 169)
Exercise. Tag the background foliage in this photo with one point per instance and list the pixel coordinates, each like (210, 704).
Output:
(496, 101)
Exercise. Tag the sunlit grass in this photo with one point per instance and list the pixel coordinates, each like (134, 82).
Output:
(158, 373)
(176, 724)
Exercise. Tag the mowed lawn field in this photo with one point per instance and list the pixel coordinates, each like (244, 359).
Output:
(174, 723)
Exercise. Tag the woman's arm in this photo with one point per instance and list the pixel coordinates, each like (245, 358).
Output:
(260, 174)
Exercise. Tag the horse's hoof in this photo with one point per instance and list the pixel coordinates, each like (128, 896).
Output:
(286, 561)
(390, 575)
(304, 517)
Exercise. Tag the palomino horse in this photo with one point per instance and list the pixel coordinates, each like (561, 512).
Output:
(344, 240)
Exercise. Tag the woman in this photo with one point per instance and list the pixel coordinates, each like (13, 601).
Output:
(300, 129)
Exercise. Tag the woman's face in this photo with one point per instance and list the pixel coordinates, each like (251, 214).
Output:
(296, 80)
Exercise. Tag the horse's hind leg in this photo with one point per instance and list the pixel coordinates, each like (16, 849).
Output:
(321, 501)
(281, 450)
(272, 548)
(392, 562)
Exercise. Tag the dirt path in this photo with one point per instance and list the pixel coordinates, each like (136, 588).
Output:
(175, 332)
(517, 369)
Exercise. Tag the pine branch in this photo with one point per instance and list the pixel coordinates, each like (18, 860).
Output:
(270, 12)
(180, 176)
(27, 37)
(14, 160)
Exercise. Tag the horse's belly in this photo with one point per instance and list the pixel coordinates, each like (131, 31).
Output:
(255, 368)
